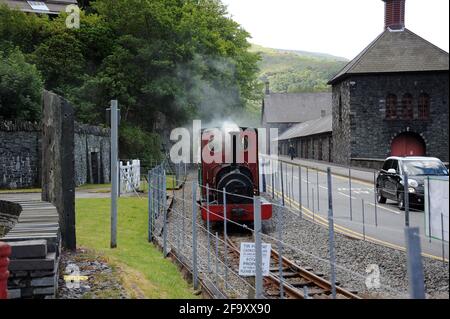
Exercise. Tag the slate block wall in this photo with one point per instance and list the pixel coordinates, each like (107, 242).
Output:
(365, 132)
(20, 154)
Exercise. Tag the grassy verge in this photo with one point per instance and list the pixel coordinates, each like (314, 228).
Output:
(146, 274)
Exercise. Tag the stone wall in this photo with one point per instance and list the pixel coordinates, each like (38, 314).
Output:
(92, 148)
(20, 154)
(316, 147)
(366, 133)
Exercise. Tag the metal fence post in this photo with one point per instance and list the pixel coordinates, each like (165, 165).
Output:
(350, 191)
(258, 247)
(415, 267)
(429, 208)
(194, 234)
(114, 170)
(331, 235)
(300, 192)
(225, 236)
(307, 187)
(150, 221)
(375, 197)
(313, 205)
(292, 184)
(165, 225)
(442, 239)
(217, 258)
(280, 253)
(183, 226)
(208, 228)
(406, 198)
(318, 191)
(363, 219)
(273, 177)
(282, 183)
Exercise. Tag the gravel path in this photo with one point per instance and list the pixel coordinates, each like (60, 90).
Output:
(306, 243)
(102, 280)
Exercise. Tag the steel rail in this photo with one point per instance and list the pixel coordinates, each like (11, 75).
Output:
(311, 278)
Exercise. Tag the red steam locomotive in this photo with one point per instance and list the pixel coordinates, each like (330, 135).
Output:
(229, 161)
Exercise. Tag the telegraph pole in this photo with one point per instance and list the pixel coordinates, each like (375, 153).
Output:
(114, 170)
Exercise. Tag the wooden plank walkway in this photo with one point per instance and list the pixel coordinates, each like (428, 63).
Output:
(38, 220)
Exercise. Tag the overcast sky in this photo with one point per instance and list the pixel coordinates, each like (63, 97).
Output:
(338, 27)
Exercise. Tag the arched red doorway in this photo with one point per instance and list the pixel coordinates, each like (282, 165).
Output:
(408, 144)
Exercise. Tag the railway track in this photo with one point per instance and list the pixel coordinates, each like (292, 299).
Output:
(295, 278)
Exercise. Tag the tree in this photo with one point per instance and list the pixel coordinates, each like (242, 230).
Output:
(20, 86)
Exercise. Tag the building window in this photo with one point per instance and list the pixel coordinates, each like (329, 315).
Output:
(391, 107)
(340, 109)
(407, 107)
(424, 106)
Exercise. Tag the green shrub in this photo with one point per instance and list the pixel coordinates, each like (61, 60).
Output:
(135, 143)
(21, 86)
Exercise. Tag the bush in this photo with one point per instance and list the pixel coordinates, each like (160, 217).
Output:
(136, 143)
(21, 87)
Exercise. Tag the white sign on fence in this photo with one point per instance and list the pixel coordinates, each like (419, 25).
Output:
(247, 261)
(436, 207)
(130, 176)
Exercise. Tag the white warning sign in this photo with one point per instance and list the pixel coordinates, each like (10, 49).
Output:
(247, 261)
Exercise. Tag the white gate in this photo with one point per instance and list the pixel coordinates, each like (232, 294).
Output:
(130, 176)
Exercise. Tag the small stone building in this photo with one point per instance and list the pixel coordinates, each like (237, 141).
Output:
(285, 110)
(392, 99)
(311, 139)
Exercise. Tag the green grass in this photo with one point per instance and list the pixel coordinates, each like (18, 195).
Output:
(93, 186)
(146, 274)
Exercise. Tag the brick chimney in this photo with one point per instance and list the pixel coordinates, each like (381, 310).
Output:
(394, 17)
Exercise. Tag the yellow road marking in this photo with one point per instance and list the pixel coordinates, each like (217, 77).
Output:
(348, 232)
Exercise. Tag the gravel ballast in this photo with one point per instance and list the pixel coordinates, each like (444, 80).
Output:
(305, 243)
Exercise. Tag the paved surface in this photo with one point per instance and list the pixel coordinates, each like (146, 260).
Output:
(380, 223)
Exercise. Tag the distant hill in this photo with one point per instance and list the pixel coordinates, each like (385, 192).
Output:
(297, 71)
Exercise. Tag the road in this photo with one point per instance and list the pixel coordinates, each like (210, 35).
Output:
(355, 210)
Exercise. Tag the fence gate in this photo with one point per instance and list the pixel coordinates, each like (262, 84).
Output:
(130, 176)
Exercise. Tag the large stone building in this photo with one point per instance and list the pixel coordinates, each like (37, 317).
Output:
(392, 99)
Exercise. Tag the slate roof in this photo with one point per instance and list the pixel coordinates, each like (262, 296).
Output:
(54, 6)
(396, 51)
(295, 107)
(313, 127)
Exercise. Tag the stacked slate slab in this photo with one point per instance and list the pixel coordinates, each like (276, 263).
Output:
(35, 242)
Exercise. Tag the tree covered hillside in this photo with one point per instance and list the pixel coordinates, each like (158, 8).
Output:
(297, 71)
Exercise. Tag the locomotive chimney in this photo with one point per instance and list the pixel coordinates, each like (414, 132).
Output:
(394, 16)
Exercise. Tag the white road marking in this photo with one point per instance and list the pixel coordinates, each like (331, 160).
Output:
(384, 208)
(346, 195)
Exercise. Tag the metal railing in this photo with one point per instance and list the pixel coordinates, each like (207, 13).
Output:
(175, 223)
